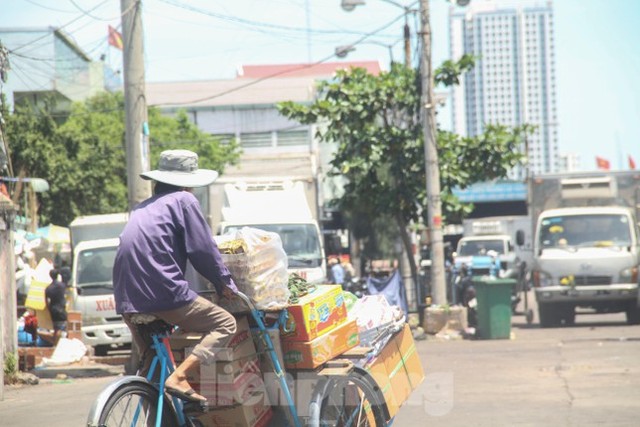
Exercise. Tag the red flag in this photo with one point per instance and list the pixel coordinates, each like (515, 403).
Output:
(632, 163)
(602, 163)
(115, 38)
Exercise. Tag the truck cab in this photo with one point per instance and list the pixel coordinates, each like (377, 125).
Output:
(472, 249)
(95, 241)
(279, 206)
(586, 257)
(586, 248)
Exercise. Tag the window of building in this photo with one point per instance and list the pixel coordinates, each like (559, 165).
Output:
(254, 140)
(292, 138)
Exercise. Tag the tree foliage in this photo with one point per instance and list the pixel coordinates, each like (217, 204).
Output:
(82, 156)
(375, 123)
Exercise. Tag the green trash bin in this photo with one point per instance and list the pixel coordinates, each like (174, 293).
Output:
(493, 296)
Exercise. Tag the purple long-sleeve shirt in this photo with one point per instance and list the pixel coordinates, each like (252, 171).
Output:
(162, 233)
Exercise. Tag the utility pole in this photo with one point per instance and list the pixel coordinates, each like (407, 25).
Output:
(136, 134)
(432, 172)
(407, 39)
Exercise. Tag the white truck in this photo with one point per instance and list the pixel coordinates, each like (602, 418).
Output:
(483, 237)
(278, 205)
(95, 241)
(497, 234)
(586, 248)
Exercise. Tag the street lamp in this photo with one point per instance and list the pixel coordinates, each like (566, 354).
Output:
(344, 50)
(350, 5)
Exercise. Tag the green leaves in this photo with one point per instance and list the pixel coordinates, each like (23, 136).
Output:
(82, 156)
(448, 74)
(374, 123)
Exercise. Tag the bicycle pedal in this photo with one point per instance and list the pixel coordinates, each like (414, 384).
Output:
(195, 407)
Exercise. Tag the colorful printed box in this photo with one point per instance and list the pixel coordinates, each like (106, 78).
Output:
(309, 355)
(315, 314)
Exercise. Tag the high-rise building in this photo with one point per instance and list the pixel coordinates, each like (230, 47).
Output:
(569, 162)
(513, 82)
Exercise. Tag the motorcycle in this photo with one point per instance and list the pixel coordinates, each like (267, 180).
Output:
(464, 293)
(357, 286)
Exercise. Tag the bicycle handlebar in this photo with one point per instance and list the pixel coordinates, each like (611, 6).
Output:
(246, 300)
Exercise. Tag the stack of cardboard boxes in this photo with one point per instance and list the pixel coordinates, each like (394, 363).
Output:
(317, 329)
(233, 384)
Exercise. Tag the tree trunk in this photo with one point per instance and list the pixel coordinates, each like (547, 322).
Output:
(406, 240)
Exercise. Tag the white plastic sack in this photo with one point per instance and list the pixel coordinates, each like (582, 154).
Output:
(261, 271)
(372, 311)
(66, 352)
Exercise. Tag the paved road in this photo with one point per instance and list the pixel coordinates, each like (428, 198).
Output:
(585, 375)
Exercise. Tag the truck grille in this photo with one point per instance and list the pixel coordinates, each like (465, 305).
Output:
(480, 271)
(592, 280)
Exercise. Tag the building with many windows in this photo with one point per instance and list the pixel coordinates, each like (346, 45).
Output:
(245, 109)
(513, 82)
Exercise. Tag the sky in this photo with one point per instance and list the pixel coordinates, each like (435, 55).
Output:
(597, 49)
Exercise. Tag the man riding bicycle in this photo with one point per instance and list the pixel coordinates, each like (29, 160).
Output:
(162, 234)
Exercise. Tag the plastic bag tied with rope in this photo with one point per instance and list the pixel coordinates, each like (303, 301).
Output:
(258, 264)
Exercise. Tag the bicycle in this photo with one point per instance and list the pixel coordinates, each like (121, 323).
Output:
(350, 398)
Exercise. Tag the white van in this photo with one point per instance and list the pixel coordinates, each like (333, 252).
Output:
(92, 294)
(95, 242)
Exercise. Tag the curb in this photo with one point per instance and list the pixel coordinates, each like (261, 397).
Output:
(78, 371)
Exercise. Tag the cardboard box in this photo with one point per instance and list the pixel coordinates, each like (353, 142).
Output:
(378, 372)
(315, 314)
(309, 355)
(233, 377)
(397, 369)
(227, 390)
(256, 413)
(266, 365)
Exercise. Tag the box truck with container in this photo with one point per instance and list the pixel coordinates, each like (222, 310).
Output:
(284, 206)
(586, 248)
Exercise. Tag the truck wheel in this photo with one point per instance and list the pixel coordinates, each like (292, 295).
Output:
(548, 316)
(529, 316)
(569, 315)
(633, 315)
(101, 350)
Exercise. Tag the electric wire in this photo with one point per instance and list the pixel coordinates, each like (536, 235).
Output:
(257, 24)
(251, 83)
(47, 7)
(279, 73)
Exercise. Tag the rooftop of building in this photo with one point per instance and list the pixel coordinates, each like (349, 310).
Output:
(255, 85)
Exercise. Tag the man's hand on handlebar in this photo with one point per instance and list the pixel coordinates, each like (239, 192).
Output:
(228, 293)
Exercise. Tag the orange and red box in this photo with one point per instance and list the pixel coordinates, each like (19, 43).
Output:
(311, 354)
(315, 314)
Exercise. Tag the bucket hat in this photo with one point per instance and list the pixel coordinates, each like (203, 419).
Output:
(180, 168)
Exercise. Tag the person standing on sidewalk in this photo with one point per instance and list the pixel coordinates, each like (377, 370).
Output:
(57, 304)
(162, 234)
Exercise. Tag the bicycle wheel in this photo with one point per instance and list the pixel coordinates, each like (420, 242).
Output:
(135, 405)
(351, 401)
